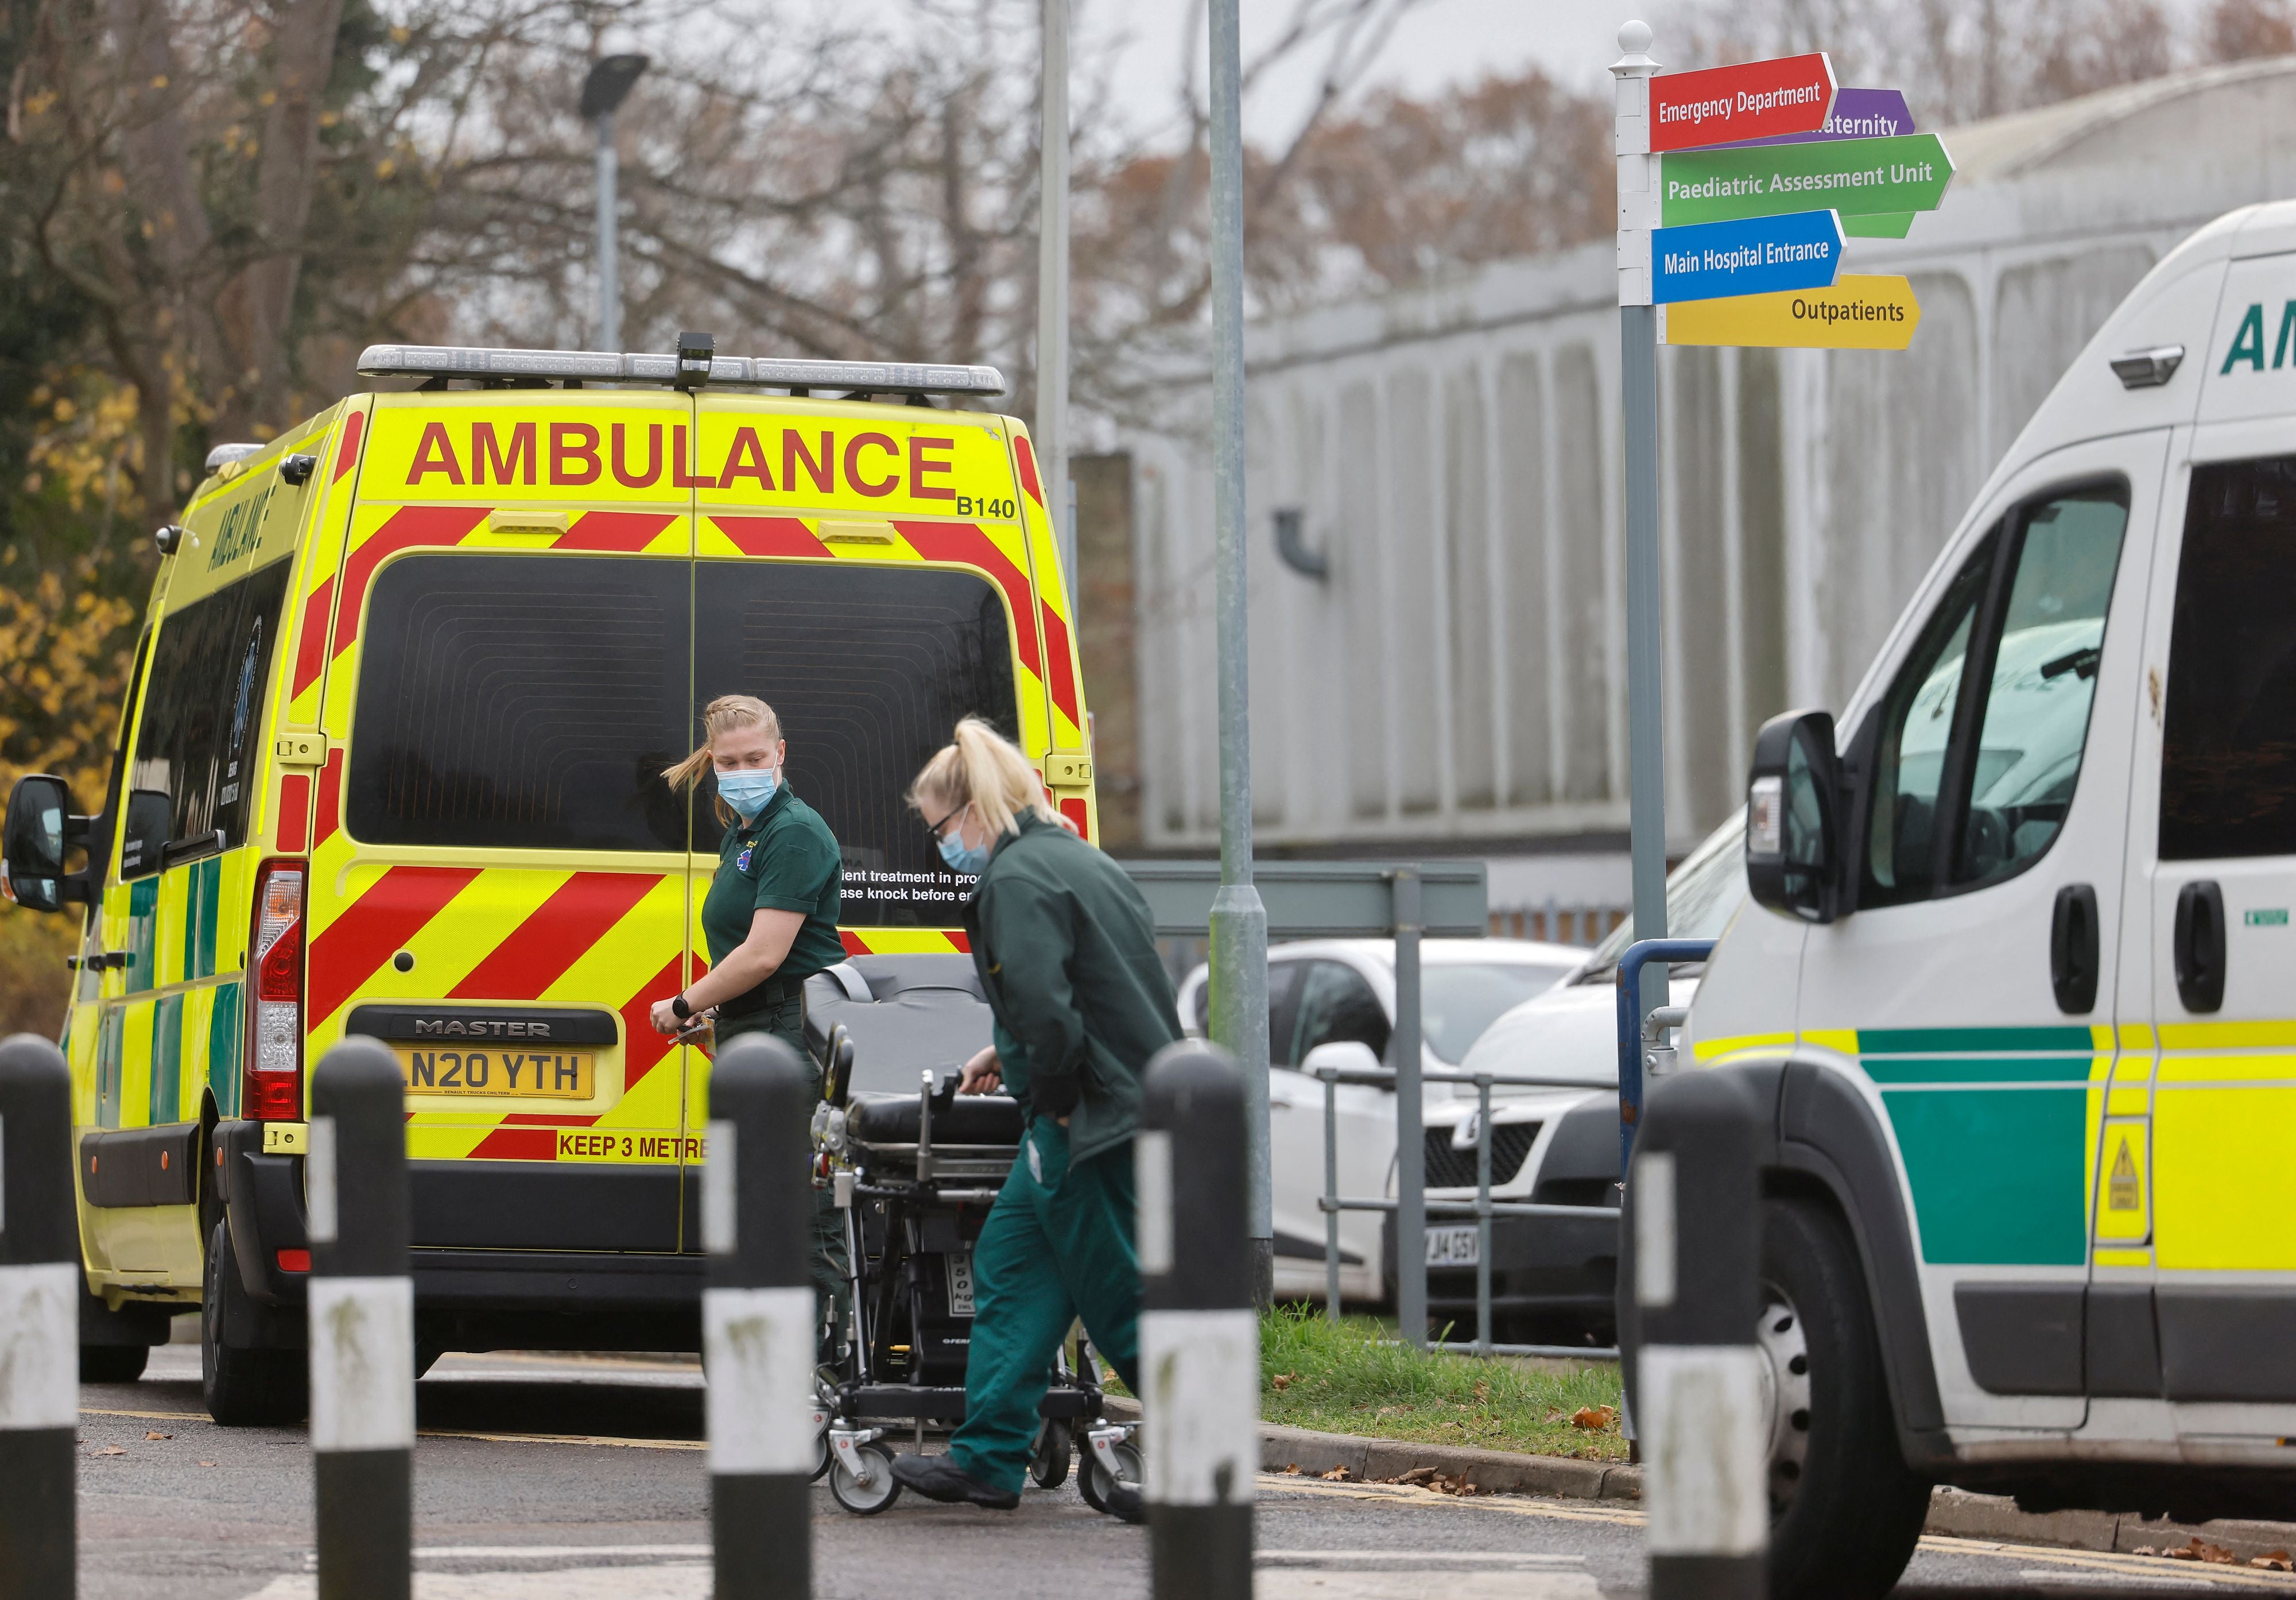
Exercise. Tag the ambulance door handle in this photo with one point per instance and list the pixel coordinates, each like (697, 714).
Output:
(2198, 946)
(2072, 949)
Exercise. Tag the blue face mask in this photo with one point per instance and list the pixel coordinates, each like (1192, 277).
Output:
(960, 856)
(748, 790)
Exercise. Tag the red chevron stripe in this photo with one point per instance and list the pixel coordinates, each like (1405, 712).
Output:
(852, 942)
(613, 531)
(1060, 670)
(1026, 459)
(517, 1144)
(770, 536)
(311, 648)
(402, 901)
(409, 526)
(346, 452)
(330, 799)
(293, 824)
(965, 543)
(963, 942)
(642, 1048)
(558, 932)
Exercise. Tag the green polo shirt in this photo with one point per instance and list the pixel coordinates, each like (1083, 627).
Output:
(786, 860)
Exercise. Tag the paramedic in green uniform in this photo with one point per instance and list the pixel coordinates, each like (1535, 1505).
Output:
(1067, 953)
(770, 918)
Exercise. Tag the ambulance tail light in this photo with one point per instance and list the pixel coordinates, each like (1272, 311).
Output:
(274, 1090)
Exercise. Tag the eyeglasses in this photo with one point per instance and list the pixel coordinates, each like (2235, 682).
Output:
(934, 828)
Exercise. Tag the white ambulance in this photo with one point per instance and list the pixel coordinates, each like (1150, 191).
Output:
(2009, 983)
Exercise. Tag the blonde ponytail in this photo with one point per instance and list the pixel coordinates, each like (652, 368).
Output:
(987, 771)
(723, 715)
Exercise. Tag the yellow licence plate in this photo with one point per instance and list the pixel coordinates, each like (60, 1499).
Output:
(521, 1074)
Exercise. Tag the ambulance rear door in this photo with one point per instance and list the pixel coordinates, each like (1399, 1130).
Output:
(866, 571)
(499, 885)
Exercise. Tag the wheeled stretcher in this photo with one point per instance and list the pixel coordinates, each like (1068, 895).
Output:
(915, 1168)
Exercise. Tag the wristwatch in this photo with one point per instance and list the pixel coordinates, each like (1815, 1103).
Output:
(679, 1007)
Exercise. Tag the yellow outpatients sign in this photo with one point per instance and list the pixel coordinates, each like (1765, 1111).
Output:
(1856, 314)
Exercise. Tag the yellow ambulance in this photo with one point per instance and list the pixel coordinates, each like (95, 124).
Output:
(389, 765)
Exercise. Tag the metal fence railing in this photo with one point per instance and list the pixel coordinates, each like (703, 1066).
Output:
(1410, 1254)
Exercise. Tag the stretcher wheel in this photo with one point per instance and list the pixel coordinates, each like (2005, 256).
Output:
(1093, 1481)
(866, 1500)
(1049, 1466)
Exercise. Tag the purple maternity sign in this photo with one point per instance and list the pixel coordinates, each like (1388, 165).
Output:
(1857, 114)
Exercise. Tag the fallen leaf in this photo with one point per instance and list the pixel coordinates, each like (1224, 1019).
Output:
(1594, 1418)
(1338, 1474)
(112, 1450)
(1292, 1470)
(1418, 1474)
(2272, 1563)
(207, 1463)
(2182, 1554)
(2144, 1550)
(1283, 1380)
(149, 1434)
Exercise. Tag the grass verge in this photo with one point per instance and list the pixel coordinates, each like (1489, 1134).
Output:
(1348, 1379)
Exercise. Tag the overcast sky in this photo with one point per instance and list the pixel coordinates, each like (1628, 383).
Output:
(1442, 42)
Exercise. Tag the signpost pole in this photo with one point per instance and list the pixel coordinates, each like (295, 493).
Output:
(1239, 920)
(1638, 216)
(1051, 433)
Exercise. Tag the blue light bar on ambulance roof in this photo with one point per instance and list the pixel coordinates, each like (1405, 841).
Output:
(589, 367)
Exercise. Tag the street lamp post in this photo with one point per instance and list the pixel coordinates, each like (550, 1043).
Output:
(602, 94)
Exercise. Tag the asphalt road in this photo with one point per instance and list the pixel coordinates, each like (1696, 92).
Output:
(554, 1477)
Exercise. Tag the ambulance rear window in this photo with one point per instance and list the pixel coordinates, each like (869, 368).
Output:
(525, 701)
(869, 669)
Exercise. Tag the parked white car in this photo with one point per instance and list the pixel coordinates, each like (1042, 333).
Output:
(1341, 991)
(1553, 1279)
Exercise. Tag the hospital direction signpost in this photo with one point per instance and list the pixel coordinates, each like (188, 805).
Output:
(1738, 187)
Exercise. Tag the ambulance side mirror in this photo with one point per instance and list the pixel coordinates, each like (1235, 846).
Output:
(1793, 800)
(32, 856)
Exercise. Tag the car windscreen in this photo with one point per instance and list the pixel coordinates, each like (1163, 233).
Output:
(869, 669)
(1457, 1001)
(1701, 897)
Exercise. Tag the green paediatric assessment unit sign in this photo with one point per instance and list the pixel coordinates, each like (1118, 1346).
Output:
(1853, 177)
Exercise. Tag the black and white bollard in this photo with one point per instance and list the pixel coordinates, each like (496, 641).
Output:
(40, 1287)
(1693, 1203)
(362, 1326)
(1198, 1334)
(758, 1320)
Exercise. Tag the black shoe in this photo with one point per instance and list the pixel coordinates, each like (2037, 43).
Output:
(938, 1477)
(1122, 1502)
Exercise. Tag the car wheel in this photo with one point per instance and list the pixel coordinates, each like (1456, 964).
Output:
(112, 1363)
(1845, 1510)
(244, 1388)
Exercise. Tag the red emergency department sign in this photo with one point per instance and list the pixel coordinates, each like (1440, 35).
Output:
(1753, 99)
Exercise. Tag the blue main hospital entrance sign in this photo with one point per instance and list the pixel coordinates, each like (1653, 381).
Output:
(1757, 255)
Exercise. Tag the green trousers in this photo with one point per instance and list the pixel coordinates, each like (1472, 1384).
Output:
(832, 1306)
(1057, 1245)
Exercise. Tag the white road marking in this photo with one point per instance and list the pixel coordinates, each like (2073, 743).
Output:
(557, 1552)
(1296, 1583)
(690, 1582)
